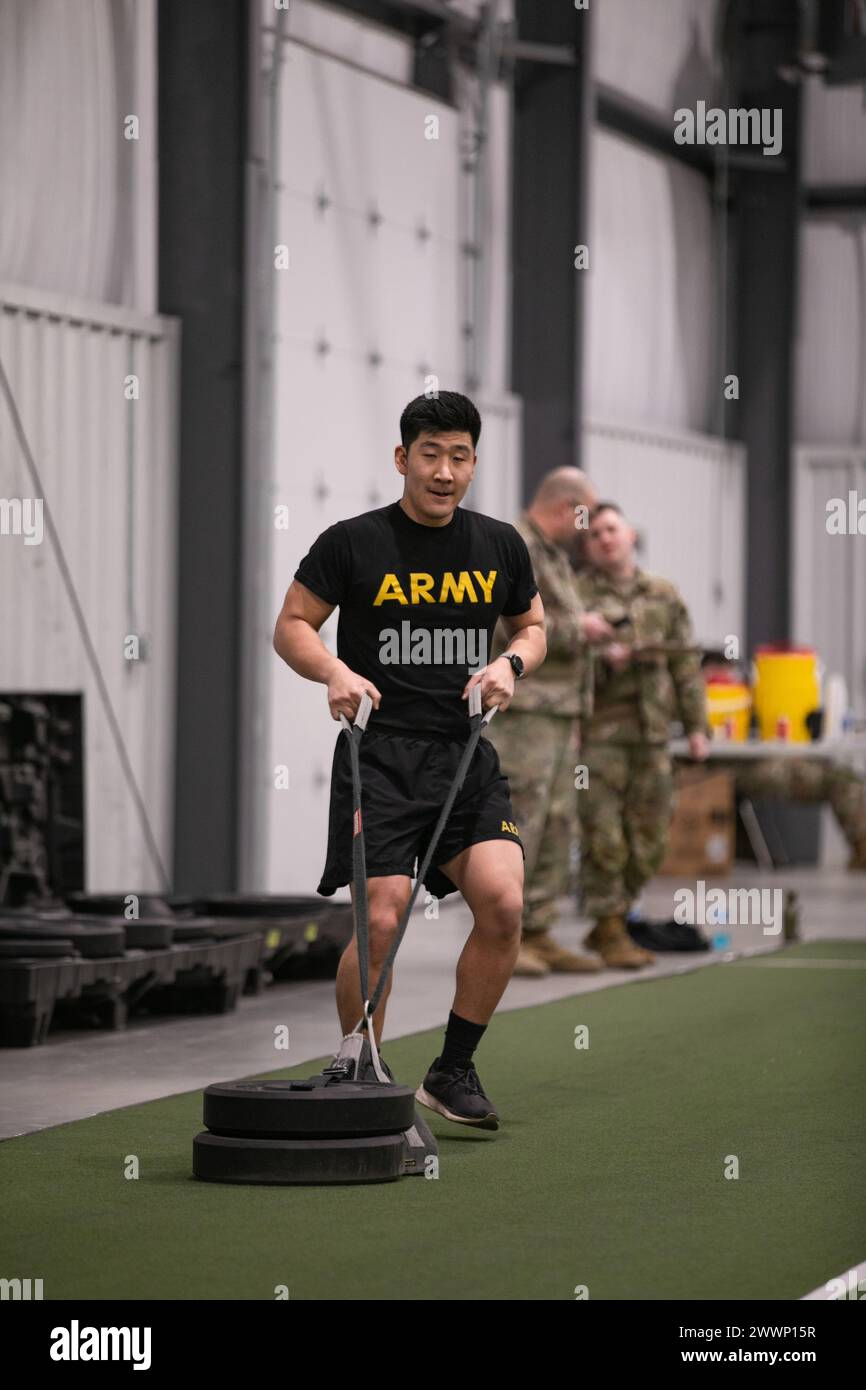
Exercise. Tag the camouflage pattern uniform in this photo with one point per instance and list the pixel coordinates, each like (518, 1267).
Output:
(535, 737)
(805, 779)
(625, 809)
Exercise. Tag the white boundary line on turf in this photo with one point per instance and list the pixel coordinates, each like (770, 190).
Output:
(812, 964)
(841, 1288)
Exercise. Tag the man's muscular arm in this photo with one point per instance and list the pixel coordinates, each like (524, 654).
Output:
(527, 636)
(528, 641)
(297, 641)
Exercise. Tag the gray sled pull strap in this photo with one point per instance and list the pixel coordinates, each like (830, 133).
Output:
(359, 867)
(362, 715)
(475, 705)
(354, 733)
(476, 723)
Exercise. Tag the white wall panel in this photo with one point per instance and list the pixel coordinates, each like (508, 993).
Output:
(348, 36)
(834, 133)
(649, 335)
(78, 197)
(359, 141)
(830, 401)
(828, 571)
(685, 495)
(658, 52)
(496, 247)
(497, 486)
(828, 585)
(109, 475)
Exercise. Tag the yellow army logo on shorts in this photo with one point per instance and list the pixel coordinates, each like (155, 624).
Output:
(511, 827)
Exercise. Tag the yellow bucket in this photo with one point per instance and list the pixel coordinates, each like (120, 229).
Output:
(787, 688)
(729, 709)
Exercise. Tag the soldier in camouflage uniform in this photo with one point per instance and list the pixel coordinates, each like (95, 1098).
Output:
(536, 735)
(625, 806)
(807, 779)
(800, 779)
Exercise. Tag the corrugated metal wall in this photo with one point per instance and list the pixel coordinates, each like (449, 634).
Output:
(108, 469)
(71, 78)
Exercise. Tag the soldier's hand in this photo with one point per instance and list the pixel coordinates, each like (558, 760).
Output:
(699, 747)
(617, 656)
(497, 684)
(345, 690)
(595, 628)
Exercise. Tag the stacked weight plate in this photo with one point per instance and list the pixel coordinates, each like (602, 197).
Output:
(323, 1130)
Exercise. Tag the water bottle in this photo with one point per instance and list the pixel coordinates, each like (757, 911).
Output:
(791, 916)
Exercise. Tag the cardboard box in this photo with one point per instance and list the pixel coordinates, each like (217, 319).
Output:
(703, 828)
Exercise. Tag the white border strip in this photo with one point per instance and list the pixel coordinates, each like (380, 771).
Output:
(813, 963)
(843, 1287)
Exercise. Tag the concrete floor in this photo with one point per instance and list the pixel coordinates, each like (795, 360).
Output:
(73, 1075)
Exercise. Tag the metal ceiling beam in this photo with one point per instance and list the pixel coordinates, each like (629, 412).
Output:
(768, 207)
(552, 122)
(624, 116)
(835, 197)
(437, 9)
(202, 132)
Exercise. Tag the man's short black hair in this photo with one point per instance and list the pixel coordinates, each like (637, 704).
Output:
(604, 507)
(447, 411)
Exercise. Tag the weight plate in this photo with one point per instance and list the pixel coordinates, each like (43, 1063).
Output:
(35, 950)
(114, 904)
(58, 913)
(148, 935)
(264, 905)
(218, 1158)
(310, 1108)
(211, 928)
(91, 940)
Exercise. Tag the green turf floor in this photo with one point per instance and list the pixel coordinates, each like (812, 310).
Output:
(608, 1170)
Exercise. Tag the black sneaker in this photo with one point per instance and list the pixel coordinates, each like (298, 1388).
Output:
(458, 1095)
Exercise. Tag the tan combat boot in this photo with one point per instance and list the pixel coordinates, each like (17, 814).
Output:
(858, 855)
(558, 959)
(610, 938)
(528, 963)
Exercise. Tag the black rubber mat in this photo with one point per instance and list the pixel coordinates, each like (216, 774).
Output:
(92, 939)
(35, 950)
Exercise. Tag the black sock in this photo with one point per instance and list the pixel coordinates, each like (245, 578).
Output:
(461, 1040)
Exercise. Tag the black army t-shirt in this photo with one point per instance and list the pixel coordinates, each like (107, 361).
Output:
(418, 605)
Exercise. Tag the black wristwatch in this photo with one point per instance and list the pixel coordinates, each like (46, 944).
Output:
(516, 664)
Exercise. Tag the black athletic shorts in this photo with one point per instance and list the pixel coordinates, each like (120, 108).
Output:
(404, 783)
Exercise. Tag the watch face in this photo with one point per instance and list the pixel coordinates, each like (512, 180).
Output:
(517, 665)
